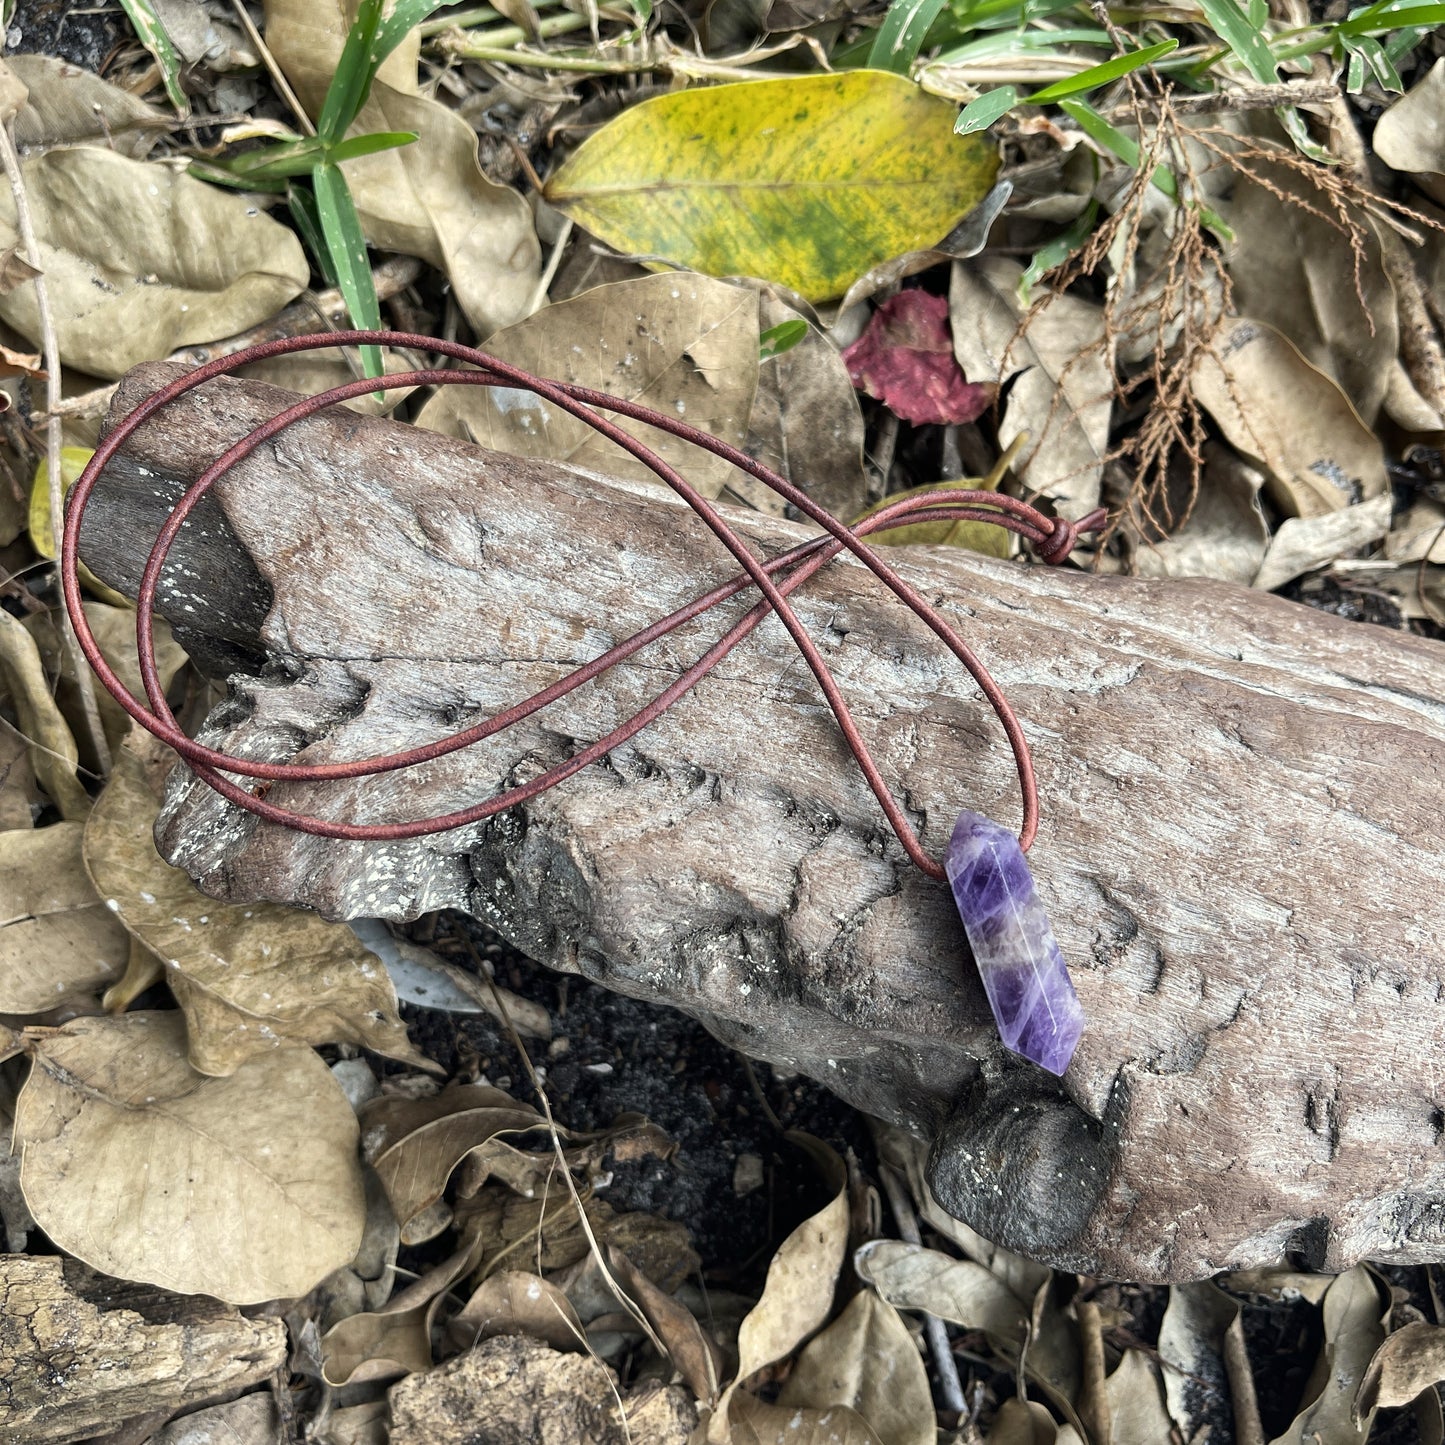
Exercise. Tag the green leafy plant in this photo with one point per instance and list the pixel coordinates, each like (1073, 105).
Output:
(152, 34)
(325, 214)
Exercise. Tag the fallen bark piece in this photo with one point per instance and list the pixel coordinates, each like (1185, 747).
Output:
(515, 1391)
(79, 1352)
(1240, 849)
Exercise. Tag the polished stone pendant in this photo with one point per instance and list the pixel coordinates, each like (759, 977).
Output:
(1024, 974)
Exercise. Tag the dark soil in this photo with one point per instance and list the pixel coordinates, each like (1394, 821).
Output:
(85, 34)
(612, 1055)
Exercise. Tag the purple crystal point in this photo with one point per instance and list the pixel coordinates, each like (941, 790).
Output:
(1023, 972)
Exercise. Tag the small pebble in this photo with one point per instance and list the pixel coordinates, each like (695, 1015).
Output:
(747, 1174)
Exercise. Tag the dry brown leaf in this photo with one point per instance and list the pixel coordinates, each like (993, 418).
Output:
(381, 1346)
(430, 198)
(1355, 1317)
(251, 1420)
(249, 979)
(752, 1422)
(1294, 271)
(415, 1144)
(867, 1360)
(246, 1188)
(806, 423)
(1023, 1422)
(961, 1291)
(1291, 419)
(12, 93)
(1225, 535)
(1410, 1361)
(1200, 1388)
(21, 363)
(56, 937)
(1410, 136)
(15, 270)
(1063, 395)
(681, 343)
(1302, 543)
(121, 1351)
(797, 1298)
(1418, 534)
(693, 1352)
(1278, 1283)
(1136, 1402)
(141, 259)
(514, 1302)
(70, 106)
(52, 747)
(20, 799)
(114, 631)
(356, 1425)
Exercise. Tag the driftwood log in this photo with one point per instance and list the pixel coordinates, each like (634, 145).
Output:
(1241, 846)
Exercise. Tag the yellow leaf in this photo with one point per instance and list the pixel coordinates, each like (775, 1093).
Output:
(982, 537)
(72, 463)
(808, 181)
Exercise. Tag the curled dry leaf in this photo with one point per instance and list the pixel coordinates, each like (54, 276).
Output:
(126, 1351)
(514, 1302)
(70, 106)
(1207, 1384)
(806, 422)
(141, 259)
(427, 199)
(20, 799)
(1278, 1283)
(1291, 419)
(867, 1360)
(1419, 534)
(683, 344)
(961, 1291)
(1062, 392)
(904, 359)
(384, 1345)
(415, 1144)
(1136, 1402)
(797, 1298)
(246, 1188)
(249, 979)
(1355, 1317)
(808, 181)
(1409, 136)
(53, 752)
(1305, 542)
(693, 1352)
(56, 937)
(1409, 1362)
(753, 1422)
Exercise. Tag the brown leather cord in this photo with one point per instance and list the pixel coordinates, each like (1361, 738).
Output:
(1052, 539)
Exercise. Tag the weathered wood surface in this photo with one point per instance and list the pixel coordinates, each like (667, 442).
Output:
(1241, 845)
(80, 1353)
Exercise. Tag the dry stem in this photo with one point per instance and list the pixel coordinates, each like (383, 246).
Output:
(50, 348)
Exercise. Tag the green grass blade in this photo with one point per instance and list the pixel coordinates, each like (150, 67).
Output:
(219, 175)
(1247, 41)
(352, 79)
(1391, 15)
(901, 35)
(152, 34)
(1098, 75)
(404, 18)
(369, 145)
(981, 113)
(1366, 51)
(780, 338)
(345, 244)
(275, 162)
(302, 205)
(1021, 42)
(1057, 251)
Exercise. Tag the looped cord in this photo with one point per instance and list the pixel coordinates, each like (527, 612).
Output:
(1052, 539)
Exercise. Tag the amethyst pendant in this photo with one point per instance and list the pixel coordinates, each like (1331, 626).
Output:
(1023, 972)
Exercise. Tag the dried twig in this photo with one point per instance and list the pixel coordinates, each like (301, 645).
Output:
(1230, 102)
(50, 348)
